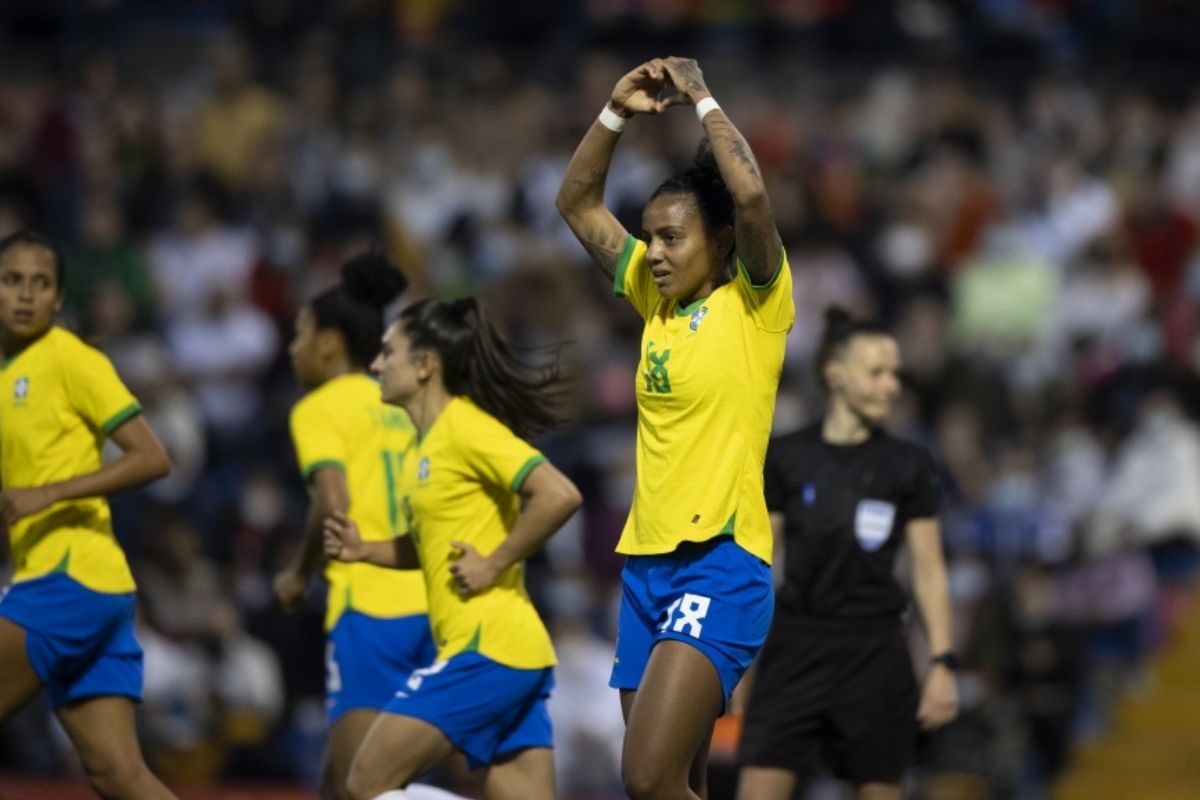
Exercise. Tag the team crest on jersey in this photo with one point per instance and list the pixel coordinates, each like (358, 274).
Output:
(423, 469)
(21, 388)
(873, 523)
(698, 316)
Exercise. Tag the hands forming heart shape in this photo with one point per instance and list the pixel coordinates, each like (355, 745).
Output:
(641, 90)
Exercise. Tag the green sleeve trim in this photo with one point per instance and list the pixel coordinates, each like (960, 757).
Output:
(120, 418)
(316, 465)
(623, 265)
(524, 471)
(770, 281)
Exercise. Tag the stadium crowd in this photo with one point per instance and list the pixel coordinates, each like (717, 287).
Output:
(1023, 219)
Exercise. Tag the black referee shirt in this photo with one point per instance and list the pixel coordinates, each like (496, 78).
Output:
(847, 507)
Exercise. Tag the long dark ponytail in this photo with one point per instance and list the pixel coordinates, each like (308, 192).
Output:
(355, 307)
(840, 328)
(478, 362)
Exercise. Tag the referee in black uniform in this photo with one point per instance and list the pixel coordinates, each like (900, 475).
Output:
(834, 681)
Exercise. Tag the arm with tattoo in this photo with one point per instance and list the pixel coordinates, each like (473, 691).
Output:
(757, 240)
(581, 197)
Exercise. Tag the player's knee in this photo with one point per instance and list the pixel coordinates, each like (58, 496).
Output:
(647, 781)
(118, 779)
(362, 785)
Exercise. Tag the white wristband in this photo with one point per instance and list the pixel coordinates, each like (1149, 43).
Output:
(704, 106)
(612, 120)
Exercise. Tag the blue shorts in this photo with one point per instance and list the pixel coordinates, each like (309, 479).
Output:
(714, 595)
(485, 709)
(368, 658)
(79, 642)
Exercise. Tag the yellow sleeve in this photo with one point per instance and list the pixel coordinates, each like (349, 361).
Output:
(632, 279)
(96, 391)
(495, 453)
(316, 437)
(770, 304)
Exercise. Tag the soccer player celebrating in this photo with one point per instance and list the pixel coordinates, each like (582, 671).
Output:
(350, 447)
(479, 500)
(67, 622)
(712, 283)
(835, 678)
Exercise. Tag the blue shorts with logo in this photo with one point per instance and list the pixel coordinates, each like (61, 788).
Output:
(713, 595)
(79, 642)
(484, 708)
(367, 658)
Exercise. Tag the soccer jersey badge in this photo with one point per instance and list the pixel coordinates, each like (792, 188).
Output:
(21, 388)
(698, 317)
(873, 523)
(423, 469)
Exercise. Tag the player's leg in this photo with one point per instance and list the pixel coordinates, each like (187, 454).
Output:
(766, 783)
(523, 775)
(103, 732)
(345, 737)
(397, 749)
(669, 721)
(877, 791)
(18, 681)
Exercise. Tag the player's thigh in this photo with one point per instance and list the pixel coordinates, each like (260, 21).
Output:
(104, 733)
(524, 775)
(766, 783)
(396, 750)
(18, 681)
(671, 716)
(345, 737)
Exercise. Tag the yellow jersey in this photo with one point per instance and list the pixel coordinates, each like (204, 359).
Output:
(59, 400)
(706, 388)
(462, 483)
(344, 424)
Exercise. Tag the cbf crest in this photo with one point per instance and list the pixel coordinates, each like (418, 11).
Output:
(423, 469)
(21, 388)
(697, 317)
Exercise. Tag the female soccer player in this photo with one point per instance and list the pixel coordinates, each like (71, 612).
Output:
(480, 500)
(66, 623)
(835, 678)
(350, 446)
(713, 285)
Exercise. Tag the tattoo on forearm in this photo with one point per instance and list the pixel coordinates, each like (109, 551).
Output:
(603, 247)
(726, 135)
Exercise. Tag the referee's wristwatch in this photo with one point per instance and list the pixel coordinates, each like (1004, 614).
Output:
(948, 659)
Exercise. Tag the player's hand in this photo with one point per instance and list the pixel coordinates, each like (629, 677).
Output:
(18, 503)
(290, 587)
(684, 74)
(638, 90)
(342, 539)
(939, 698)
(472, 572)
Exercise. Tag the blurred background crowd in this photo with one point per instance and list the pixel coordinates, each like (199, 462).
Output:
(1012, 185)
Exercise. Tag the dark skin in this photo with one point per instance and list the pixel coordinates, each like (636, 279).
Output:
(670, 717)
(101, 728)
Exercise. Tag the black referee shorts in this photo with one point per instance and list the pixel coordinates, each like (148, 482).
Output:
(836, 694)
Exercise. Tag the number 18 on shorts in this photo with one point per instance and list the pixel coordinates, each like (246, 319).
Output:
(713, 595)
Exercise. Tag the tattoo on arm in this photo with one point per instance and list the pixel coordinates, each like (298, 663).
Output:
(725, 134)
(604, 246)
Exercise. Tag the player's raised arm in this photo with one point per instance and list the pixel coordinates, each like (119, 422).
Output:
(581, 197)
(758, 244)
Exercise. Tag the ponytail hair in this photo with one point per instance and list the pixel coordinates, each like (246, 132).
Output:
(479, 363)
(704, 184)
(840, 329)
(355, 307)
